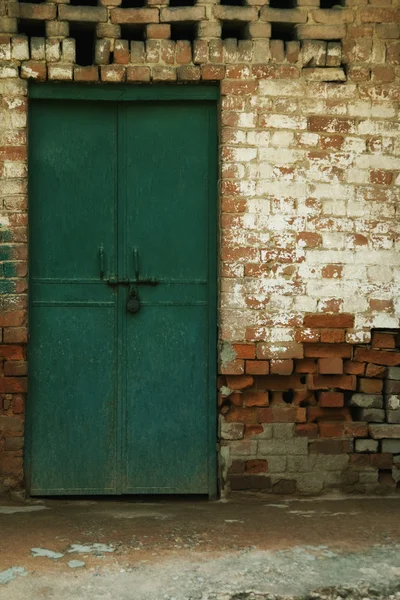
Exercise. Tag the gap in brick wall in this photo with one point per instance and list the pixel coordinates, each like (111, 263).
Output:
(173, 3)
(331, 3)
(283, 3)
(84, 35)
(83, 2)
(133, 3)
(283, 31)
(233, 2)
(132, 33)
(234, 30)
(32, 27)
(183, 31)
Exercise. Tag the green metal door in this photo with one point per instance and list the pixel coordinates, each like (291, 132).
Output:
(122, 218)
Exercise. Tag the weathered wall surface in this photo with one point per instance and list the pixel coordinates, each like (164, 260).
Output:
(309, 189)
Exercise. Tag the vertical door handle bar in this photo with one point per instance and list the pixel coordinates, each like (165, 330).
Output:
(136, 262)
(101, 261)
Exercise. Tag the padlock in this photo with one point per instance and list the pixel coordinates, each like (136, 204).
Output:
(133, 302)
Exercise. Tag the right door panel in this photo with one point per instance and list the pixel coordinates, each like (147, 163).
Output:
(169, 156)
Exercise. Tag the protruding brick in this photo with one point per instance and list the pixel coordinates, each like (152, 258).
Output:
(158, 31)
(86, 14)
(331, 399)
(321, 32)
(88, 74)
(189, 14)
(278, 15)
(330, 366)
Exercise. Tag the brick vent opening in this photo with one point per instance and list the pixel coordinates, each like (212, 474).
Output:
(283, 3)
(84, 35)
(283, 31)
(331, 3)
(32, 27)
(133, 33)
(233, 29)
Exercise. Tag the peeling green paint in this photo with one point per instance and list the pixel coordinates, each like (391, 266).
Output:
(5, 252)
(7, 287)
(10, 269)
(5, 235)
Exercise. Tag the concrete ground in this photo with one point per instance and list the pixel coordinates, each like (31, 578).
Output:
(251, 547)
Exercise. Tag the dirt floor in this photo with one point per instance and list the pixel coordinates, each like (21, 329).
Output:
(244, 548)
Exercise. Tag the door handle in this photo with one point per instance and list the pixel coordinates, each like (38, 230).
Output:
(112, 280)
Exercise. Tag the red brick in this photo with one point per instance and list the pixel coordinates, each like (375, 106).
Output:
(138, 73)
(281, 367)
(12, 352)
(381, 177)
(353, 368)
(15, 335)
(306, 365)
(382, 461)
(316, 414)
(328, 429)
(307, 430)
(327, 350)
(15, 368)
(253, 430)
(331, 399)
(331, 124)
(241, 415)
(330, 321)
(255, 399)
(381, 305)
(238, 88)
(379, 357)
(330, 366)
(308, 239)
(282, 350)
(239, 382)
(245, 350)
(18, 403)
(13, 384)
(326, 382)
(333, 336)
(332, 271)
(234, 367)
(308, 335)
(379, 14)
(256, 466)
(375, 371)
(360, 460)
(383, 340)
(12, 318)
(257, 367)
(370, 386)
(212, 72)
(356, 429)
(158, 31)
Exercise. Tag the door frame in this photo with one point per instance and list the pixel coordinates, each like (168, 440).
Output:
(152, 93)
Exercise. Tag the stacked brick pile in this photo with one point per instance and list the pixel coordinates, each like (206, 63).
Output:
(308, 194)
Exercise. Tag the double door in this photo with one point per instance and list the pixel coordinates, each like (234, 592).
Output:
(122, 349)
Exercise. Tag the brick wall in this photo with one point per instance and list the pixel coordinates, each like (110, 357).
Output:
(309, 187)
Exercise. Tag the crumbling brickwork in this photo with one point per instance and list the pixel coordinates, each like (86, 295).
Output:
(309, 189)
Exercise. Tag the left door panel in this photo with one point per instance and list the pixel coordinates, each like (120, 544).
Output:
(72, 442)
